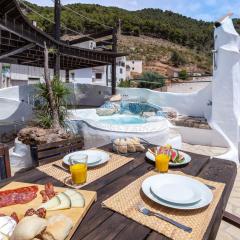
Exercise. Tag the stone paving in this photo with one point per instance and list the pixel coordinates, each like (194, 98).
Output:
(204, 150)
(188, 87)
(226, 231)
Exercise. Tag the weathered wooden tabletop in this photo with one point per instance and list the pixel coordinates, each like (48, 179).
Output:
(104, 224)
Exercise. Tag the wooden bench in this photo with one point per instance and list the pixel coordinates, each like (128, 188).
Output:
(231, 219)
(50, 152)
(5, 169)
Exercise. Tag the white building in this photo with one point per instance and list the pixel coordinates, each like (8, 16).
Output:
(99, 75)
(96, 75)
(88, 44)
(21, 74)
(133, 67)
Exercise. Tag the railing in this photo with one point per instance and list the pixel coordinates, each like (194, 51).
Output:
(159, 81)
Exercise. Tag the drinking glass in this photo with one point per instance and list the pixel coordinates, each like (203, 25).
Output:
(162, 162)
(78, 168)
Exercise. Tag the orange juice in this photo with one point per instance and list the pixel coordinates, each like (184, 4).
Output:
(162, 161)
(79, 173)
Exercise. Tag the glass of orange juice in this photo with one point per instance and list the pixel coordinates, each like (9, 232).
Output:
(162, 162)
(78, 168)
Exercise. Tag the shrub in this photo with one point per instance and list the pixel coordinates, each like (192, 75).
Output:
(124, 83)
(151, 80)
(60, 92)
(183, 74)
(177, 59)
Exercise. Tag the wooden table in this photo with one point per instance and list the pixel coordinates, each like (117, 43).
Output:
(100, 223)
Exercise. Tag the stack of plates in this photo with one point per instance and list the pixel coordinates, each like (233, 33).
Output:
(176, 191)
(95, 157)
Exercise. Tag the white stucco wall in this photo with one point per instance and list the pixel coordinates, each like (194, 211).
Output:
(83, 75)
(226, 84)
(12, 110)
(135, 65)
(191, 104)
(21, 72)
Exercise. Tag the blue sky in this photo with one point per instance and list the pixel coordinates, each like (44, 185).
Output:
(209, 10)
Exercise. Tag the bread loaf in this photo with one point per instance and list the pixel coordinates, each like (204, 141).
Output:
(58, 228)
(130, 145)
(29, 227)
(122, 147)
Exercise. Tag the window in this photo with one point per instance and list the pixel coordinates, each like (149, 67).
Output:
(73, 76)
(98, 76)
(121, 71)
(33, 80)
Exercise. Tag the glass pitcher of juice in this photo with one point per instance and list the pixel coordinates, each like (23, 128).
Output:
(162, 162)
(78, 168)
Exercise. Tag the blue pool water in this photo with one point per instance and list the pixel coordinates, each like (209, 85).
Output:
(122, 120)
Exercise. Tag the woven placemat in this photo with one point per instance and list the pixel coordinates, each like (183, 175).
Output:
(126, 200)
(93, 174)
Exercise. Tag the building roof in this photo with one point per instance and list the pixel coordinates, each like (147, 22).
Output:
(23, 43)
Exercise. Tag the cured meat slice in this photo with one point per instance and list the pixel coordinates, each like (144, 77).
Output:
(49, 189)
(30, 212)
(44, 196)
(18, 196)
(41, 212)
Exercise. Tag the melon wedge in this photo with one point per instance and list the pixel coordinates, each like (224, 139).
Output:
(65, 202)
(70, 192)
(52, 203)
(77, 199)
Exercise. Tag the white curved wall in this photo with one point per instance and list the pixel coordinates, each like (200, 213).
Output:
(191, 104)
(12, 110)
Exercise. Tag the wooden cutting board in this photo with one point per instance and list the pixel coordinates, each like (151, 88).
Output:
(76, 214)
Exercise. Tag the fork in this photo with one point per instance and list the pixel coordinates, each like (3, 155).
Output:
(148, 212)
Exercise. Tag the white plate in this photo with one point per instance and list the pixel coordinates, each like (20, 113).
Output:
(186, 160)
(95, 157)
(176, 189)
(205, 193)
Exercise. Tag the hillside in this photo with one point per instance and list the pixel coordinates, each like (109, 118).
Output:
(152, 35)
(156, 53)
(150, 22)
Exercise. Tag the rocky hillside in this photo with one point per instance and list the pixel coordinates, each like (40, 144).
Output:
(157, 54)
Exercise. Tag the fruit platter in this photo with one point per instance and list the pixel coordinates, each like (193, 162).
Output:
(177, 158)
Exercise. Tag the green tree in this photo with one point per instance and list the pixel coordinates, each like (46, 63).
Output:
(151, 22)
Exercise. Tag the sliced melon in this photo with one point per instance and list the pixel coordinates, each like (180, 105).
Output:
(65, 202)
(174, 155)
(77, 199)
(53, 203)
(70, 192)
